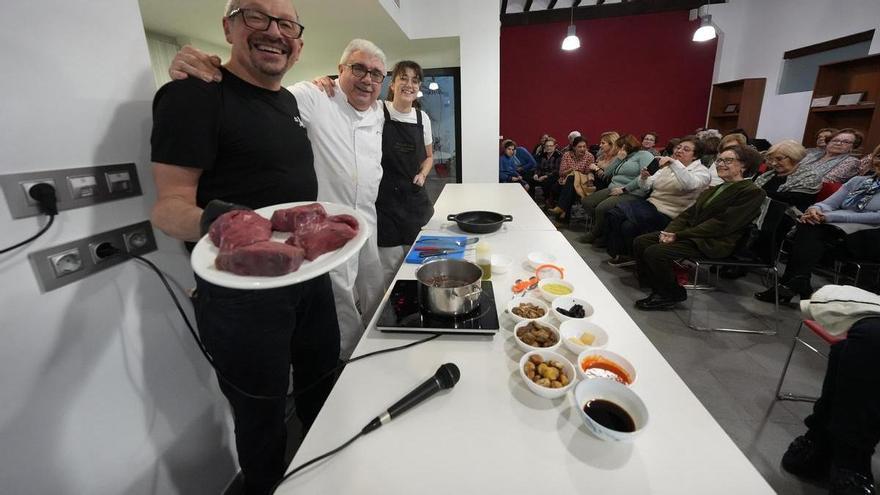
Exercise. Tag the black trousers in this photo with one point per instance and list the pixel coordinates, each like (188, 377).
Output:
(621, 230)
(847, 415)
(549, 186)
(654, 263)
(567, 196)
(812, 241)
(254, 337)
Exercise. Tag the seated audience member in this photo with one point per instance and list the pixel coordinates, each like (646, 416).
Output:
(821, 140)
(623, 185)
(710, 228)
(673, 188)
(730, 139)
(844, 427)
(649, 142)
(539, 148)
(836, 164)
(711, 140)
(787, 181)
(669, 150)
(848, 219)
(570, 145)
(546, 173)
(510, 168)
(575, 166)
(607, 153)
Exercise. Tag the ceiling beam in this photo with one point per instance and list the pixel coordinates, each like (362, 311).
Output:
(551, 4)
(503, 8)
(575, 3)
(601, 11)
(527, 6)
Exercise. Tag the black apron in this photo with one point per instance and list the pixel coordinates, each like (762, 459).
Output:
(402, 208)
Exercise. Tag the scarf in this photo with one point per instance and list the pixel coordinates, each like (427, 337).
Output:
(858, 198)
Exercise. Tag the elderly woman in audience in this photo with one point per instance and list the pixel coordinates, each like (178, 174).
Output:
(711, 140)
(623, 185)
(546, 174)
(849, 218)
(575, 165)
(649, 143)
(669, 150)
(710, 228)
(673, 188)
(539, 148)
(732, 139)
(822, 136)
(514, 164)
(836, 164)
(787, 181)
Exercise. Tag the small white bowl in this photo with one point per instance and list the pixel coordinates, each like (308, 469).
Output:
(575, 328)
(621, 395)
(549, 296)
(528, 348)
(567, 302)
(617, 359)
(540, 390)
(501, 263)
(516, 301)
(538, 258)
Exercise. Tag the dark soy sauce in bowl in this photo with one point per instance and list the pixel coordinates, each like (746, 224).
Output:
(610, 415)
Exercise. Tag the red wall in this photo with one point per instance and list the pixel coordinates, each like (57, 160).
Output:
(631, 74)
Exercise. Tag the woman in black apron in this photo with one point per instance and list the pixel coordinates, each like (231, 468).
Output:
(402, 206)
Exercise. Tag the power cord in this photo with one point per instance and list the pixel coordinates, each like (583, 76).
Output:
(44, 194)
(316, 459)
(110, 250)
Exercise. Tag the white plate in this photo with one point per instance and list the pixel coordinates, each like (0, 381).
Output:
(205, 252)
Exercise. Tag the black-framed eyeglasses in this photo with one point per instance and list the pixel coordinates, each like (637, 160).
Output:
(259, 21)
(359, 71)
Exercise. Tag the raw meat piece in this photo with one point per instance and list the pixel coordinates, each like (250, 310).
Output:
(328, 236)
(243, 234)
(258, 226)
(262, 259)
(298, 217)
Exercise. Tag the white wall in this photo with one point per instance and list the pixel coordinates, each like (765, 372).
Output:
(103, 391)
(756, 34)
(478, 26)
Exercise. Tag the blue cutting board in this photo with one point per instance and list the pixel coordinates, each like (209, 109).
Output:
(438, 241)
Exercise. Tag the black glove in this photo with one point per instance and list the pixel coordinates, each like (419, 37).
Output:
(214, 209)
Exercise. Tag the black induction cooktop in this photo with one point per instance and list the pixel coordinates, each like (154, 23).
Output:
(402, 313)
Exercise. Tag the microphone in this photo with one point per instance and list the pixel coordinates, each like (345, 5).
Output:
(446, 376)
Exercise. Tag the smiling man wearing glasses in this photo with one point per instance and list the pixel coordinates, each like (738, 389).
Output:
(346, 134)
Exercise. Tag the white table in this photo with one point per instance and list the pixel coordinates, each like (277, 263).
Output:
(507, 199)
(491, 435)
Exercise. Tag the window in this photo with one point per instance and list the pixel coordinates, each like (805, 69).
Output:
(801, 66)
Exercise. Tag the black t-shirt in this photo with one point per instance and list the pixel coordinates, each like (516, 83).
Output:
(249, 141)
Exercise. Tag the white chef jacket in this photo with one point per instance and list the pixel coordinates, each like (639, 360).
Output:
(347, 144)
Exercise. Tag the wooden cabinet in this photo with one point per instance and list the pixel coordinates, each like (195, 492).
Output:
(850, 76)
(746, 95)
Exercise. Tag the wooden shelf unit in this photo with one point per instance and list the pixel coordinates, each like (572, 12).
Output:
(747, 95)
(849, 76)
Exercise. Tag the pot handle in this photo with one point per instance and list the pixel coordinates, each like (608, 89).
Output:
(507, 218)
(474, 293)
(451, 218)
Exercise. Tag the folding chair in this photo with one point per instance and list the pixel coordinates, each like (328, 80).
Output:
(772, 217)
(821, 333)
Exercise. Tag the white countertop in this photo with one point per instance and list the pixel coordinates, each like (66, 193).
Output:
(507, 199)
(490, 434)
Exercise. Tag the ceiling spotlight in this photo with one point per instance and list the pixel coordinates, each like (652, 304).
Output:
(706, 31)
(433, 86)
(571, 42)
(420, 94)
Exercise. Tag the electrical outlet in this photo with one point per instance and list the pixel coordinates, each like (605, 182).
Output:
(27, 185)
(66, 262)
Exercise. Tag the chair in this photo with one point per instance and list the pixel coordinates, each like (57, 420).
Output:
(840, 263)
(828, 188)
(773, 215)
(821, 333)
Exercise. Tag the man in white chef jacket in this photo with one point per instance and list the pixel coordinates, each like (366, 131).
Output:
(346, 135)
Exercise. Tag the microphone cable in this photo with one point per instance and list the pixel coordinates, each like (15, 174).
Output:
(316, 459)
(44, 194)
(112, 250)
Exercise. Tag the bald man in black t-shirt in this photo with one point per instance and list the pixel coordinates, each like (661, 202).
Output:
(241, 141)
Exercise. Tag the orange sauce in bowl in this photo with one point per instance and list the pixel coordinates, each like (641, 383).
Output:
(601, 367)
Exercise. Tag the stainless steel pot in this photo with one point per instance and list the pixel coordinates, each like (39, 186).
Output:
(449, 287)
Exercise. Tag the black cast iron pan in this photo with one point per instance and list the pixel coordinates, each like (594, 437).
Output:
(479, 222)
